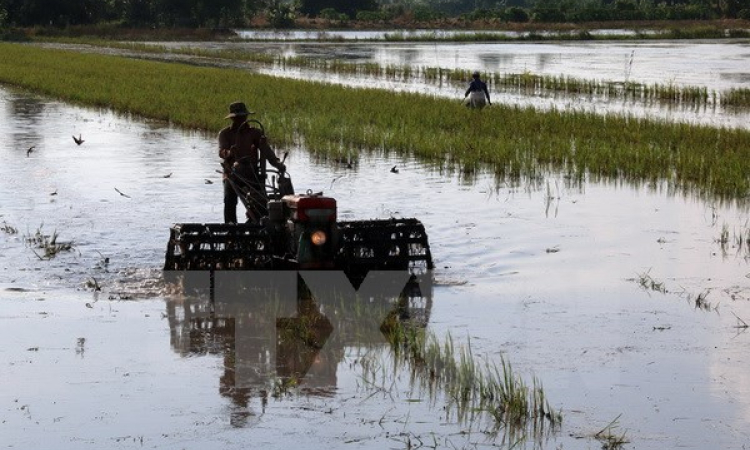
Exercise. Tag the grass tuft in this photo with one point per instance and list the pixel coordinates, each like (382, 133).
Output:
(473, 388)
(48, 243)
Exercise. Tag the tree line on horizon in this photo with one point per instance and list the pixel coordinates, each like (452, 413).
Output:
(284, 13)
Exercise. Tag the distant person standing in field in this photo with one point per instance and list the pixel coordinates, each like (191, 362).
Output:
(477, 96)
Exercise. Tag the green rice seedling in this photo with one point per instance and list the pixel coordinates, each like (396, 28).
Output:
(513, 142)
(723, 239)
(736, 97)
(664, 94)
(472, 388)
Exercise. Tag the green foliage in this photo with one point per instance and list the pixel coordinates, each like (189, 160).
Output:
(547, 15)
(346, 7)
(329, 13)
(424, 13)
(516, 14)
(370, 16)
(333, 15)
(483, 14)
(62, 13)
(281, 14)
(233, 13)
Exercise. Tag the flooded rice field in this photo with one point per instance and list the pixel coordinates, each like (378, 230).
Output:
(625, 301)
(716, 65)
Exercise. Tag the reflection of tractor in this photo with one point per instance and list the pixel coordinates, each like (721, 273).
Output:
(300, 231)
(270, 345)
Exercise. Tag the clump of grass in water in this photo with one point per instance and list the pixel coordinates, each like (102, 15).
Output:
(48, 243)
(739, 240)
(609, 437)
(699, 301)
(472, 388)
(8, 229)
(702, 303)
(650, 284)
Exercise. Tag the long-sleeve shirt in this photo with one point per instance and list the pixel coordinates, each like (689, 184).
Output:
(246, 145)
(478, 85)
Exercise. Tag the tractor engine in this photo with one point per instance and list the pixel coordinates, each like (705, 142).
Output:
(311, 225)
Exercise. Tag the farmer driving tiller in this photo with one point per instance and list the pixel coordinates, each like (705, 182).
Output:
(287, 230)
(244, 150)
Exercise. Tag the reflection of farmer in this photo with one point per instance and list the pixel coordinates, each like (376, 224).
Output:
(245, 150)
(477, 93)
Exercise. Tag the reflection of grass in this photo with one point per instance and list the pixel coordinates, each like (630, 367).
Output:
(516, 142)
(472, 388)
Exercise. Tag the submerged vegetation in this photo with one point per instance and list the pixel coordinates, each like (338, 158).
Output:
(472, 389)
(698, 301)
(340, 121)
(739, 240)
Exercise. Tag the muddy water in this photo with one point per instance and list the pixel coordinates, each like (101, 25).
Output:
(543, 274)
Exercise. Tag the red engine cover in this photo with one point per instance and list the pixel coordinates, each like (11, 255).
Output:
(311, 208)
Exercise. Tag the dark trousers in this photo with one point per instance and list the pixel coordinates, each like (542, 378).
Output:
(255, 202)
(230, 203)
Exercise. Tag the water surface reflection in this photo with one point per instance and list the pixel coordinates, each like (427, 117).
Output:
(543, 272)
(275, 337)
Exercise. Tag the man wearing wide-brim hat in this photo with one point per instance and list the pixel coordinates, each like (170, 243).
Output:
(245, 150)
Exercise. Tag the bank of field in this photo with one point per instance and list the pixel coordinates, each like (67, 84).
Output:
(516, 142)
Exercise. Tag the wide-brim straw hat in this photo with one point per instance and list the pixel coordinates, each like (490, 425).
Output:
(238, 109)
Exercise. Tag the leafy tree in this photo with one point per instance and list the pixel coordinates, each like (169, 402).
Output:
(516, 14)
(3, 18)
(370, 16)
(281, 14)
(348, 7)
(138, 12)
(329, 13)
(425, 13)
